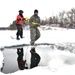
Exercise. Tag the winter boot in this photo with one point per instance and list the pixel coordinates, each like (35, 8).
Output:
(18, 37)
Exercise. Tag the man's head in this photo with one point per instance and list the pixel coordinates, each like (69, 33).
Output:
(36, 12)
(21, 12)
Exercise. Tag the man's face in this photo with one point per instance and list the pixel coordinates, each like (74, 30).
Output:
(20, 12)
(36, 13)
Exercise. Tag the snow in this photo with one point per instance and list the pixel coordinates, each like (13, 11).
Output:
(54, 61)
(6, 39)
(55, 35)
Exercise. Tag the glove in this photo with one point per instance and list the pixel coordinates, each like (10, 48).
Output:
(35, 23)
(26, 19)
(23, 19)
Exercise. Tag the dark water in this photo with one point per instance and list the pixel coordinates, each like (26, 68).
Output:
(19, 59)
(22, 58)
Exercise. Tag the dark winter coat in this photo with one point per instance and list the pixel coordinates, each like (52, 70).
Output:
(34, 19)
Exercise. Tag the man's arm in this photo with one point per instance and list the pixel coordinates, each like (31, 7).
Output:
(31, 22)
(38, 22)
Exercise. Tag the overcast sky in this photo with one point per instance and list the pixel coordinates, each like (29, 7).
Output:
(9, 8)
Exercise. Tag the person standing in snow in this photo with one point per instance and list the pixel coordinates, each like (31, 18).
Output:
(34, 24)
(20, 20)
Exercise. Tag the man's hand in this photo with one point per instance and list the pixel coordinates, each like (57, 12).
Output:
(23, 18)
(27, 19)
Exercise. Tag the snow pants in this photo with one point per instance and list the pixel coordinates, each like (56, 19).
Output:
(34, 34)
(19, 31)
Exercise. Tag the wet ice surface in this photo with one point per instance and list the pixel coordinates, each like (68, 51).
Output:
(50, 57)
(10, 60)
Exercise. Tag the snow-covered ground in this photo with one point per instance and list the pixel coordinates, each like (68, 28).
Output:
(55, 35)
(53, 61)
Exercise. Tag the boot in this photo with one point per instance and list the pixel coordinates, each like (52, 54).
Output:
(22, 37)
(18, 37)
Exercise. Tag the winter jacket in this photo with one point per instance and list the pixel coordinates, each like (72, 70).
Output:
(34, 21)
(19, 20)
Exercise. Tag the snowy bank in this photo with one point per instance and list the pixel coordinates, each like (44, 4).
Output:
(53, 36)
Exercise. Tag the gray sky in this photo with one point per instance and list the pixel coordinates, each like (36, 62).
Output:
(9, 8)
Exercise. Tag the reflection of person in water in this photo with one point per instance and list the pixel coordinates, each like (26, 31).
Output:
(21, 62)
(35, 58)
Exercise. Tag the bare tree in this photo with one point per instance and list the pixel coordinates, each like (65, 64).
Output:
(50, 20)
(61, 16)
(71, 16)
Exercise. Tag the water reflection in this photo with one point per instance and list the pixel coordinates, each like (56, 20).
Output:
(16, 59)
(27, 57)
(21, 62)
(35, 58)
